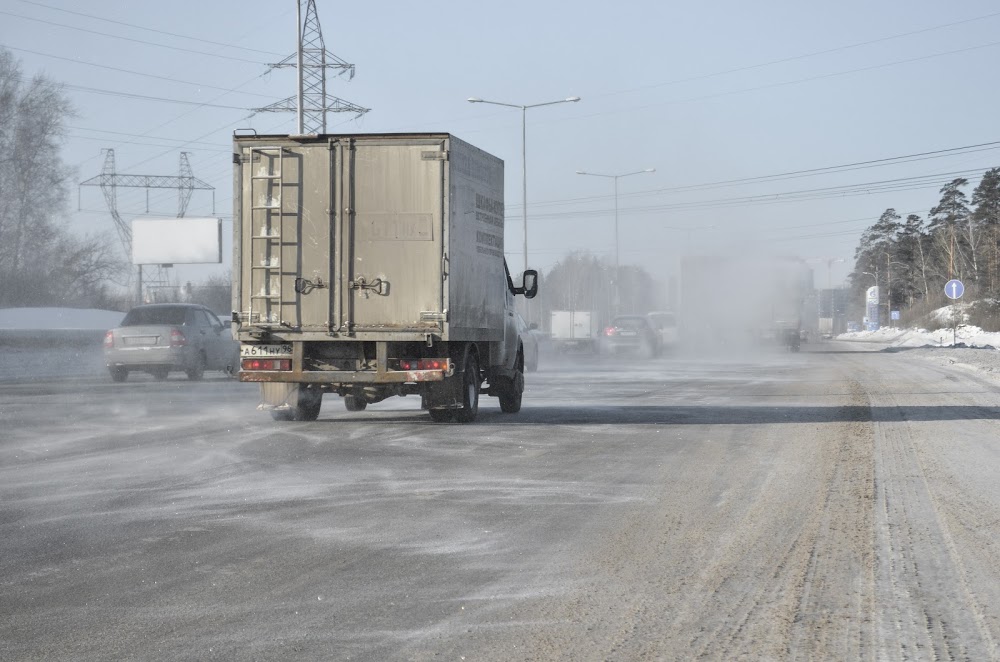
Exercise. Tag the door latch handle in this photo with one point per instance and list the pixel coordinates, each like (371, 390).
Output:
(377, 286)
(305, 286)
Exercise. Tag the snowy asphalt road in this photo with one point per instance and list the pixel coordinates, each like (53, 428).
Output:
(834, 504)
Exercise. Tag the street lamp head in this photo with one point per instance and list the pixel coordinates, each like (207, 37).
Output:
(650, 170)
(572, 98)
(474, 100)
(581, 172)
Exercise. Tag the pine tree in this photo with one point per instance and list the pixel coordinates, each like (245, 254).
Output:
(986, 199)
(947, 219)
(876, 252)
(910, 250)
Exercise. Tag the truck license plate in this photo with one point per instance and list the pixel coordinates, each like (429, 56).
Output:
(265, 351)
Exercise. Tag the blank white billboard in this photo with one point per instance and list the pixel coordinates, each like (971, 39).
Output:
(177, 241)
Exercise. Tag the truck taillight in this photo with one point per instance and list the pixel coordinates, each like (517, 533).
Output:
(423, 364)
(109, 339)
(267, 364)
(177, 338)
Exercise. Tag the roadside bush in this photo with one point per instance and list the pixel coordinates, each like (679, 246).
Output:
(921, 316)
(985, 314)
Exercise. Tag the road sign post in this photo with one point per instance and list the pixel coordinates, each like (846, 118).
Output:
(954, 289)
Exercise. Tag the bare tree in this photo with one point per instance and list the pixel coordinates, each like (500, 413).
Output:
(41, 262)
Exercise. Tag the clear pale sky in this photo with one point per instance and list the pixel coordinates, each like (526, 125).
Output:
(703, 92)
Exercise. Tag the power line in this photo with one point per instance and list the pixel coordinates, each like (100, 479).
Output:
(768, 86)
(791, 174)
(793, 58)
(140, 27)
(134, 73)
(145, 97)
(849, 190)
(217, 150)
(137, 41)
(847, 167)
(142, 135)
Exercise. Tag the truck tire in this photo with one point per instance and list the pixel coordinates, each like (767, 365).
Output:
(355, 403)
(470, 391)
(511, 390)
(307, 408)
(441, 415)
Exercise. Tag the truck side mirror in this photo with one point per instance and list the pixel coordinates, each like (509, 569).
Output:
(529, 283)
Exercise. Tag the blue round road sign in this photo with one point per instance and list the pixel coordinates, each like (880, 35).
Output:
(954, 289)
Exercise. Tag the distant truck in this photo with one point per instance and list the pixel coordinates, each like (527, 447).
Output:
(732, 301)
(573, 330)
(369, 266)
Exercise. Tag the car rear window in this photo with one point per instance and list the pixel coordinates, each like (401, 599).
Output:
(631, 323)
(141, 316)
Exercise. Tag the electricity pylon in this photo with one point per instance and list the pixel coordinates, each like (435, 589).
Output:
(110, 181)
(312, 60)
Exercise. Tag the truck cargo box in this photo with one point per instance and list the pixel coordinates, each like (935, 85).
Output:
(394, 237)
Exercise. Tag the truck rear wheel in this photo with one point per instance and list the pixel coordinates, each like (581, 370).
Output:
(306, 409)
(441, 415)
(470, 392)
(355, 403)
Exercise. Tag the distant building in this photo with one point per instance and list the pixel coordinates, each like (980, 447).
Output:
(833, 310)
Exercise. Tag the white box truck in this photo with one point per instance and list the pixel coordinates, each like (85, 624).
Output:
(573, 330)
(368, 266)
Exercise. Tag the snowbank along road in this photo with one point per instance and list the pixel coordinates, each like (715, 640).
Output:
(834, 504)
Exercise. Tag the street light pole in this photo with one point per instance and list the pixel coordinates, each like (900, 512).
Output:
(524, 154)
(617, 254)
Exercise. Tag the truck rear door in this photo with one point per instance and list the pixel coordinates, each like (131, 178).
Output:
(391, 196)
(286, 247)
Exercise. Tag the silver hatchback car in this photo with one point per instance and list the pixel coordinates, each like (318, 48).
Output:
(163, 337)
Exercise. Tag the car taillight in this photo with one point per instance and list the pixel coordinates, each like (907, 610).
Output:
(177, 338)
(610, 331)
(109, 339)
(423, 364)
(267, 364)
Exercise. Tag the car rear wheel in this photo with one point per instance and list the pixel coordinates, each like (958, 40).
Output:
(118, 373)
(197, 371)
